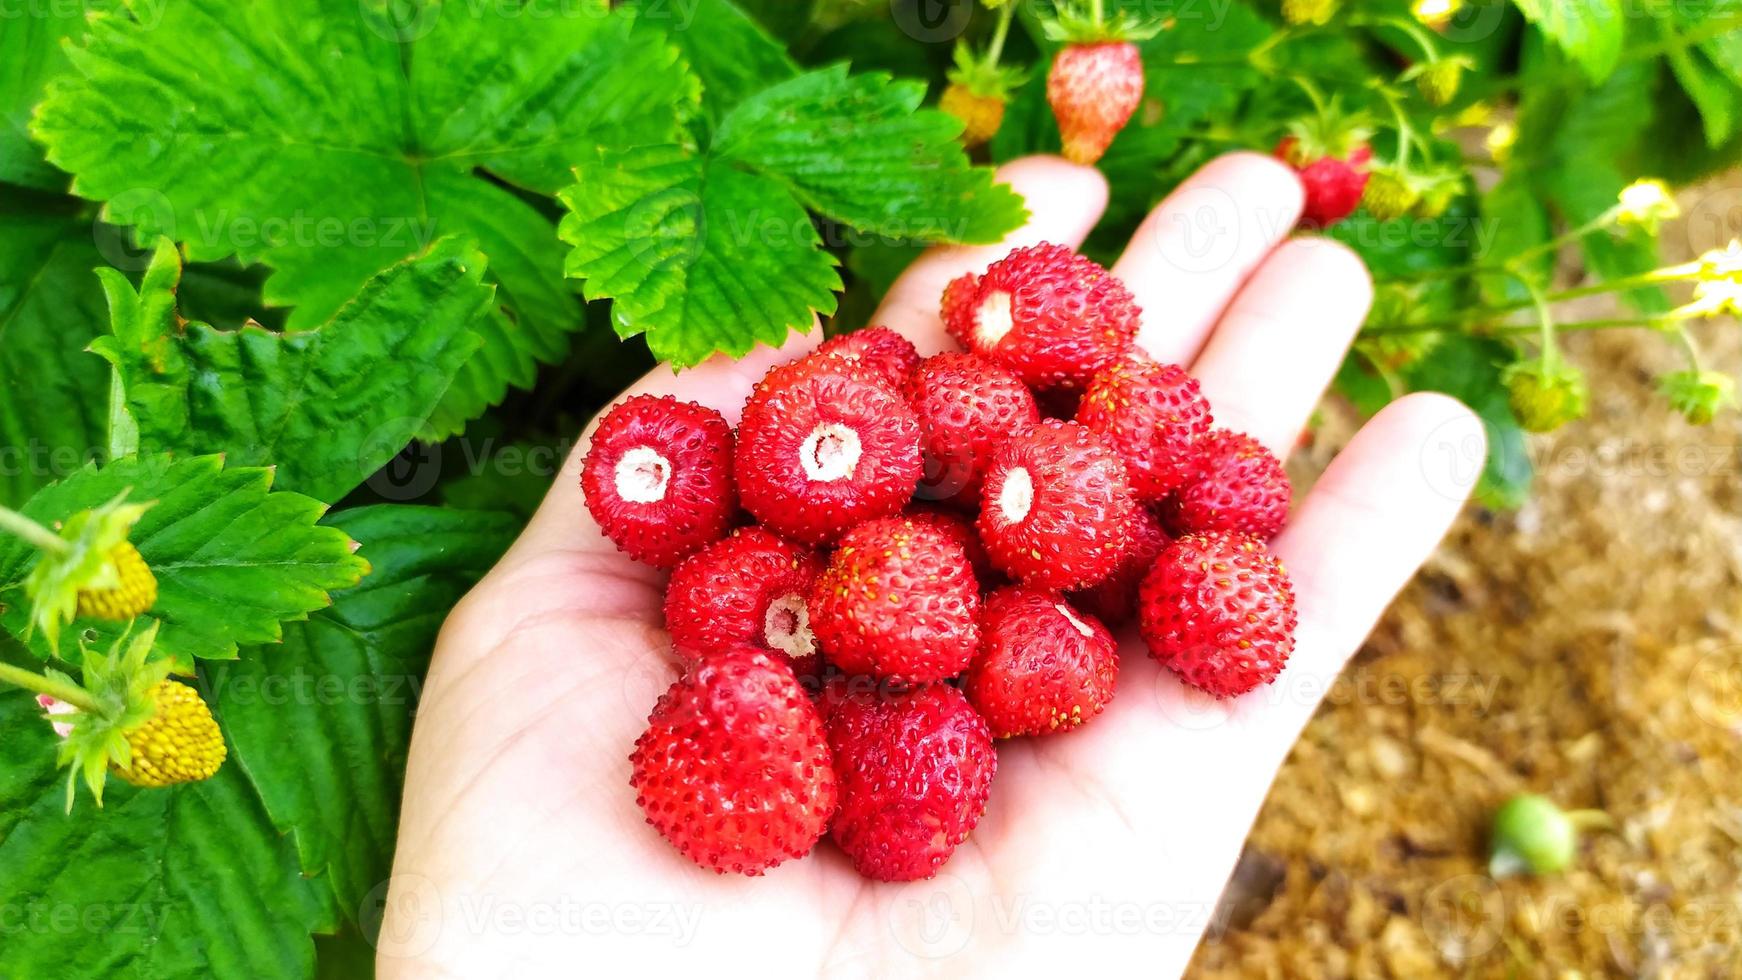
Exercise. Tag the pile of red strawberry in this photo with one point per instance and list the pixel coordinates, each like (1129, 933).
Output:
(929, 561)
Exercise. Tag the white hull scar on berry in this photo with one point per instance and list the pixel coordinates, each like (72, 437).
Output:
(658, 478)
(749, 588)
(823, 448)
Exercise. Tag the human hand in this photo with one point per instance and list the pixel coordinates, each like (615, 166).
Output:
(522, 851)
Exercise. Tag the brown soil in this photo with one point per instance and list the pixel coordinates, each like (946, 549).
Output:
(1587, 647)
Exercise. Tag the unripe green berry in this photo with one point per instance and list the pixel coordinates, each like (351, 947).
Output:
(1699, 395)
(1531, 835)
(1317, 12)
(1544, 395)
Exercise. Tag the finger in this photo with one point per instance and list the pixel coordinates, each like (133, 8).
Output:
(1278, 346)
(1191, 254)
(1372, 519)
(1064, 202)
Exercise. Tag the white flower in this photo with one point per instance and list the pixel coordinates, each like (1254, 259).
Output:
(1645, 203)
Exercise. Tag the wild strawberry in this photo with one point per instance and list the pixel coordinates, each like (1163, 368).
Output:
(1389, 194)
(822, 450)
(1153, 415)
(747, 589)
(915, 769)
(1237, 485)
(1056, 507)
(1317, 12)
(179, 743)
(734, 767)
(1332, 169)
(134, 591)
(981, 115)
(898, 600)
(1113, 600)
(966, 406)
(1047, 313)
(1218, 610)
(959, 528)
(1042, 667)
(658, 478)
(878, 351)
(1545, 392)
(1093, 90)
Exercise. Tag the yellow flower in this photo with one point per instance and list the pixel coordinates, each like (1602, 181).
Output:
(1646, 203)
(1722, 264)
(1500, 140)
(1434, 13)
(1714, 297)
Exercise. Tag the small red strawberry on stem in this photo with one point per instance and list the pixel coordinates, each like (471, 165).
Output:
(1113, 600)
(1042, 667)
(1330, 154)
(1237, 485)
(658, 478)
(1056, 507)
(1096, 80)
(1153, 415)
(746, 589)
(734, 767)
(1218, 610)
(1051, 315)
(915, 770)
(822, 449)
(898, 600)
(966, 406)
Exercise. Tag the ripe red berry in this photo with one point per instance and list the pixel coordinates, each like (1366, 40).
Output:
(898, 601)
(915, 770)
(1218, 609)
(1113, 600)
(1153, 415)
(822, 450)
(1093, 90)
(748, 589)
(1237, 485)
(1056, 507)
(1051, 315)
(966, 406)
(878, 351)
(734, 768)
(1042, 667)
(658, 478)
(1333, 183)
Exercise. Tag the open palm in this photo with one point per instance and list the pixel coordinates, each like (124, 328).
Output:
(522, 852)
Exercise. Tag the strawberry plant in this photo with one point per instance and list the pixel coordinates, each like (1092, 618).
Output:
(300, 301)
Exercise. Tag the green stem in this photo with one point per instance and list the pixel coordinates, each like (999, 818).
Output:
(1504, 330)
(1503, 268)
(1544, 321)
(1416, 32)
(1405, 132)
(29, 530)
(996, 50)
(60, 690)
(1677, 42)
(1094, 11)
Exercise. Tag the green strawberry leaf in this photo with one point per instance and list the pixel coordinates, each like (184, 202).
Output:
(33, 56)
(1591, 32)
(727, 49)
(53, 395)
(187, 882)
(330, 141)
(233, 559)
(347, 682)
(698, 254)
(712, 250)
(859, 149)
(327, 406)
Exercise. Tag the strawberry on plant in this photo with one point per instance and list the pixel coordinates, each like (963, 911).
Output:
(1218, 610)
(822, 449)
(1309, 12)
(1051, 315)
(1545, 392)
(1042, 667)
(1096, 80)
(1236, 485)
(915, 770)
(1153, 415)
(1331, 155)
(89, 568)
(734, 768)
(747, 589)
(658, 478)
(1699, 395)
(878, 351)
(1531, 835)
(966, 406)
(1056, 507)
(979, 88)
(1113, 600)
(179, 743)
(1439, 79)
(1389, 194)
(898, 601)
